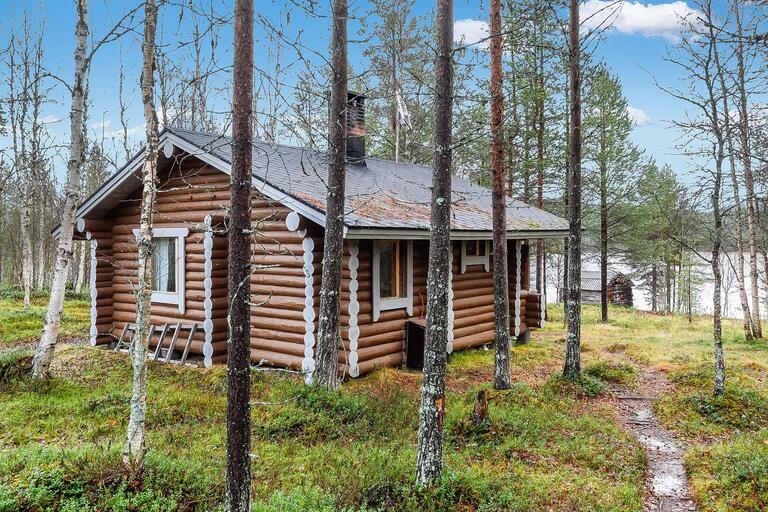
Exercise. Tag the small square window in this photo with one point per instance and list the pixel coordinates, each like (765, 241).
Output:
(475, 248)
(475, 252)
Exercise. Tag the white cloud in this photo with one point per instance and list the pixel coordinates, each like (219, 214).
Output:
(649, 20)
(639, 116)
(49, 119)
(471, 32)
(102, 124)
(132, 131)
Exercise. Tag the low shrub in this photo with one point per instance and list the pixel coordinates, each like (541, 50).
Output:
(15, 365)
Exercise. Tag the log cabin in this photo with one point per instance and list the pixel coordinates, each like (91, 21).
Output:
(386, 242)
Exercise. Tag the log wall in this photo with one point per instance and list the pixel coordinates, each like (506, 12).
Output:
(188, 193)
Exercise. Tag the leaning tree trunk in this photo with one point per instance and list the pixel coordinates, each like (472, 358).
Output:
(740, 277)
(238, 367)
(501, 374)
(328, 332)
(749, 180)
(135, 444)
(572, 366)
(429, 459)
(47, 344)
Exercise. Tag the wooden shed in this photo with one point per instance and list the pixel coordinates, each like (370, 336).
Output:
(386, 241)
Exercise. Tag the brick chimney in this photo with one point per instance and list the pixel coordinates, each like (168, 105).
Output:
(355, 128)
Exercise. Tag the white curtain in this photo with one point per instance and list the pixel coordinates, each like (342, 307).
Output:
(164, 265)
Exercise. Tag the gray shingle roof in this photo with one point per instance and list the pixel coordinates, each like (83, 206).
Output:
(380, 194)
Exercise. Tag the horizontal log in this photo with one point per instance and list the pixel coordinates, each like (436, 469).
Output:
(381, 362)
(282, 347)
(473, 329)
(379, 339)
(376, 351)
(473, 340)
(278, 335)
(272, 358)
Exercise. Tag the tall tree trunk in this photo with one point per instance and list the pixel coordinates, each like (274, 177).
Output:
(328, 333)
(540, 150)
(572, 366)
(135, 444)
(238, 367)
(719, 157)
(738, 218)
(26, 245)
(654, 288)
(47, 344)
(566, 194)
(603, 229)
(84, 251)
(429, 460)
(749, 180)
(501, 374)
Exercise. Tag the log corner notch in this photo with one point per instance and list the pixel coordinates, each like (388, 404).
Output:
(99, 232)
(207, 290)
(298, 224)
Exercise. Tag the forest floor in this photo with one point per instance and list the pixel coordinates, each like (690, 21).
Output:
(549, 445)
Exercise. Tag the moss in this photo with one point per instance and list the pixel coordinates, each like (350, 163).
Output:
(623, 374)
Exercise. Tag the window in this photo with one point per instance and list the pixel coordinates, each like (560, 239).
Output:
(168, 285)
(475, 252)
(164, 265)
(392, 276)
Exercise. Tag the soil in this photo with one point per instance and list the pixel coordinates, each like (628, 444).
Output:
(666, 482)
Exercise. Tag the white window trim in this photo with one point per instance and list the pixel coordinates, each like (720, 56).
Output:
(384, 304)
(485, 260)
(176, 297)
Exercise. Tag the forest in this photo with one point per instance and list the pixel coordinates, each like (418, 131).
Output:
(141, 151)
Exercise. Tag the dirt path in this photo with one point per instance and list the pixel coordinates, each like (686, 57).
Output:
(665, 480)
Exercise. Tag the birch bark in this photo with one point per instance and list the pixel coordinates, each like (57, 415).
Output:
(46, 346)
(429, 460)
(135, 444)
(749, 180)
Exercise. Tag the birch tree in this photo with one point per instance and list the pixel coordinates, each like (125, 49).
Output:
(572, 367)
(47, 343)
(746, 162)
(135, 445)
(429, 460)
(501, 374)
(238, 347)
(328, 332)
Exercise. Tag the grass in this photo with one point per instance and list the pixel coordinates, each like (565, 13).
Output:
(549, 444)
(19, 328)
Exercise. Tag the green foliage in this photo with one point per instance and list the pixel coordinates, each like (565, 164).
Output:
(15, 365)
(612, 372)
(92, 479)
(20, 327)
(732, 474)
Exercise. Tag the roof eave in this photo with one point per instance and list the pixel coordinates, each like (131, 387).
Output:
(456, 234)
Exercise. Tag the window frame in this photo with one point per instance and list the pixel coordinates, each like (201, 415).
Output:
(484, 260)
(178, 297)
(389, 303)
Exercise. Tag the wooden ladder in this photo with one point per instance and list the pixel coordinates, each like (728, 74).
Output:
(161, 354)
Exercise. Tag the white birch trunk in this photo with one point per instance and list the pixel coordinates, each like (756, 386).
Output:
(47, 344)
(135, 444)
(85, 251)
(26, 248)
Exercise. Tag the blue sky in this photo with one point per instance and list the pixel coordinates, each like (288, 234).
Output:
(634, 48)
